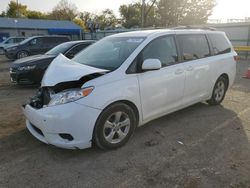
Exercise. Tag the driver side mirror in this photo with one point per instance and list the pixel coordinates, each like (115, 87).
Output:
(151, 64)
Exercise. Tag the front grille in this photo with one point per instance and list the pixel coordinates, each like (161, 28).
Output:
(37, 129)
(42, 98)
(45, 96)
(13, 69)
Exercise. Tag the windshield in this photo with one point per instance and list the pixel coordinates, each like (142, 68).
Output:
(108, 53)
(61, 48)
(8, 40)
(26, 40)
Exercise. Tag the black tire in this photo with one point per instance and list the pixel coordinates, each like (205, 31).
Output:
(22, 54)
(101, 130)
(218, 97)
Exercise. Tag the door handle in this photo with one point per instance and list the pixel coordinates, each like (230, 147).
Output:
(179, 71)
(190, 68)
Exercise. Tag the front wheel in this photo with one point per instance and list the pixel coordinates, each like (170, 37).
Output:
(22, 54)
(115, 126)
(219, 91)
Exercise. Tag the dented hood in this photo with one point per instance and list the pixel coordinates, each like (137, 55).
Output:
(63, 69)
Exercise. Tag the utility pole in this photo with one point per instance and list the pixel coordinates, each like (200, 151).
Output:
(143, 13)
(17, 9)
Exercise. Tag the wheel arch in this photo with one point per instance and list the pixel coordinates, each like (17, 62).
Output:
(22, 51)
(127, 102)
(225, 75)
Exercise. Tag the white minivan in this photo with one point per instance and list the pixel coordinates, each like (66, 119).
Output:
(126, 80)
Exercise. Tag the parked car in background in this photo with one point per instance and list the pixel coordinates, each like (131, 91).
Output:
(9, 42)
(30, 70)
(126, 80)
(34, 45)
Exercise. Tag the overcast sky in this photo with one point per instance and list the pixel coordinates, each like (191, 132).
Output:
(224, 9)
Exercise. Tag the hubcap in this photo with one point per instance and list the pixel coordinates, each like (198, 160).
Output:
(22, 55)
(116, 127)
(219, 91)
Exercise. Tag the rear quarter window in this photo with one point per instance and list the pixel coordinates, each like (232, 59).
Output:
(193, 46)
(220, 44)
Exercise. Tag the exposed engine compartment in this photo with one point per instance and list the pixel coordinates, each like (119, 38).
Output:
(44, 94)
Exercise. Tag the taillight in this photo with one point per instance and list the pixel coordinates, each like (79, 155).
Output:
(236, 58)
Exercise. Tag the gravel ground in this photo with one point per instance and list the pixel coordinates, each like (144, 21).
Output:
(200, 146)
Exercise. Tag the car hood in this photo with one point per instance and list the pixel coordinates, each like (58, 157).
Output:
(11, 45)
(32, 59)
(7, 45)
(63, 69)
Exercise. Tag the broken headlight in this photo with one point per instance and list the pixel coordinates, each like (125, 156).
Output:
(69, 96)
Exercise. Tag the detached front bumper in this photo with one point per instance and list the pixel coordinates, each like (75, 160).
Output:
(68, 125)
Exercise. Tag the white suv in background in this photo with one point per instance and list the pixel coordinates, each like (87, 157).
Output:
(126, 80)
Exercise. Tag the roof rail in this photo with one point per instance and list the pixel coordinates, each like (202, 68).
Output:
(194, 27)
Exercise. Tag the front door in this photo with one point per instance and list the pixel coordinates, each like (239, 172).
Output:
(161, 90)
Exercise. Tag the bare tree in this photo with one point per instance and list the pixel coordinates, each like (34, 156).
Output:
(64, 10)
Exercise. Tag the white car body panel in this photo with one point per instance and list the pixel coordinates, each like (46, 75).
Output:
(157, 99)
(66, 70)
(153, 93)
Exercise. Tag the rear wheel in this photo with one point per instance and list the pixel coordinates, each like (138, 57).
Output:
(219, 91)
(22, 54)
(115, 126)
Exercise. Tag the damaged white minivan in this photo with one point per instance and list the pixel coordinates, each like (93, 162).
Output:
(124, 81)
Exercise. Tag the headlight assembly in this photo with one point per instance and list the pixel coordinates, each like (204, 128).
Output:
(69, 96)
(12, 48)
(26, 68)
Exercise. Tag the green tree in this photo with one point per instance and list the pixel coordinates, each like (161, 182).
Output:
(3, 14)
(36, 15)
(131, 14)
(183, 12)
(64, 10)
(106, 19)
(79, 22)
(16, 10)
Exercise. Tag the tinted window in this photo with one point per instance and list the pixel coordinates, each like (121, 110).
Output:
(78, 48)
(50, 40)
(37, 41)
(9, 41)
(220, 44)
(163, 49)
(193, 46)
(61, 48)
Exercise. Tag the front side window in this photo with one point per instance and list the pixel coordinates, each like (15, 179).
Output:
(193, 47)
(162, 48)
(220, 44)
(78, 48)
(61, 48)
(108, 53)
(36, 41)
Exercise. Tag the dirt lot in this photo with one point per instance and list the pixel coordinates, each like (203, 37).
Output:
(215, 150)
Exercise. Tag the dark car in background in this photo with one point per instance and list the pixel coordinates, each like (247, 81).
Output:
(34, 45)
(10, 42)
(30, 70)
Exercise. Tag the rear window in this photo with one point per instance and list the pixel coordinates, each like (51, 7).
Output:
(193, 47)
(55, 40)
(220, 44)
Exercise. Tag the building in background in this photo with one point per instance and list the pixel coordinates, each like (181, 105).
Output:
(10, 27)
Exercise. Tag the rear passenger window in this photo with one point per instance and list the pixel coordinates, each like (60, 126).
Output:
(220, 44)
(163, 49)
(193, 47)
